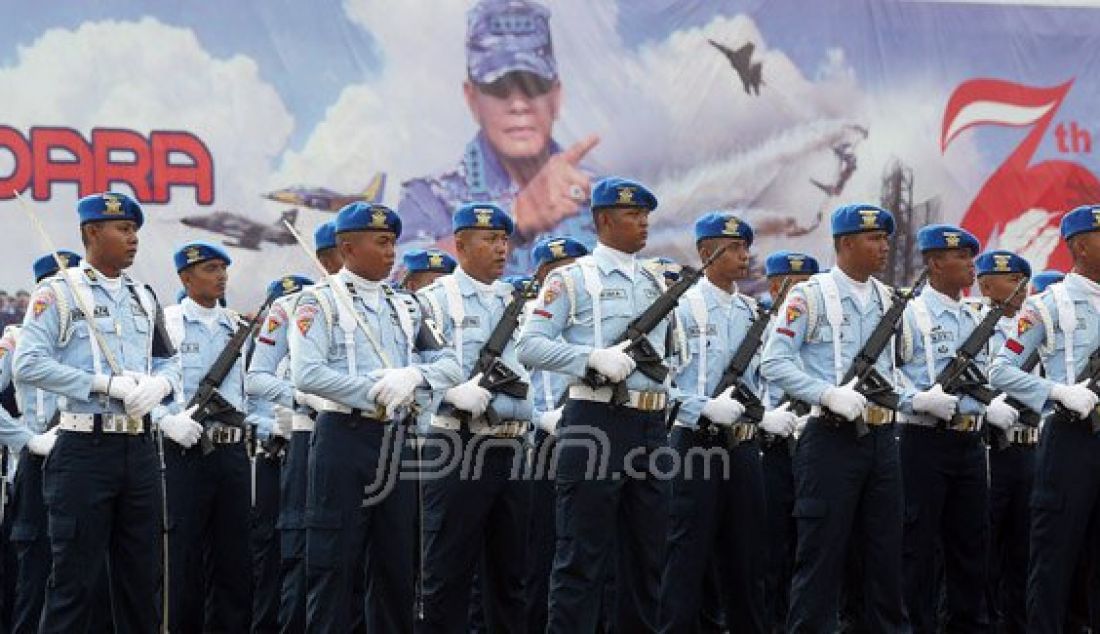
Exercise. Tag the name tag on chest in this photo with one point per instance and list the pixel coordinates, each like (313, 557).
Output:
(939, 335)
(1081, 325)
(471, 321)
(97, 312)
(694, 331)
(189, 348)
(613, 293)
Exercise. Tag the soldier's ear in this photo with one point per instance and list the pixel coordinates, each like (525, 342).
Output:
(86, 233)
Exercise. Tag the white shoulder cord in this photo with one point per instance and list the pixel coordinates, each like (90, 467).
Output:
(594, 287)
(924, 325)
(698, 306)
(835, 316)
(457, 310)
(1067, 319)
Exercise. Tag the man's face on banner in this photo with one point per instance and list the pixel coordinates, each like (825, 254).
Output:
(516, 112)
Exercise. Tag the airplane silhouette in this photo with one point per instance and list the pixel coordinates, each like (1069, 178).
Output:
(741, 60)
(323, 199)
(248, 233)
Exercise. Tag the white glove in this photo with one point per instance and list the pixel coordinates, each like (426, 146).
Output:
(182, 428)
(42, 444)
(284, 421)
(395, 388)
(1001, 414)
(800, 425)
(311, 401)
(117, 387)
(150, 391)
(469, 396)
(844, 400)
(723, 409)
(779, 421)
(548, 421)
(612, 362)
(1078, 398)
(936, 402)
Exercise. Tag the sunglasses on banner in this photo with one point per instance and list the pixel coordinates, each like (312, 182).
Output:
(530, 84)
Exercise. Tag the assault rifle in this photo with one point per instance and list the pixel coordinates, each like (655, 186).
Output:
(496, 376)
(211, 405)
(646, 358)
(732, 375)
(869, 382)
(962, 375)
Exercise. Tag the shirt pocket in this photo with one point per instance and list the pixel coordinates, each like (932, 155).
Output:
(141, 323)
(822, 334)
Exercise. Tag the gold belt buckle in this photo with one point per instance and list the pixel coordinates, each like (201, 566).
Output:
(132, 425)
(965, 423)
(875, 415)
(1025, 436)
(649, 401)
(742, 432)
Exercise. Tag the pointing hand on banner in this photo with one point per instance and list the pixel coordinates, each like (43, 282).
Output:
(556, 192)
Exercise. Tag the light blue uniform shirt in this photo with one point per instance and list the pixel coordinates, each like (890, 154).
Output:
(546, 391)
(952, 323)
(483, 306)
(7, 353)
(729, 317)
(36, 406)
(799, 353)
(268, 377)
(1038, 327)
(63, 363)
(322, 362)
(561, 333)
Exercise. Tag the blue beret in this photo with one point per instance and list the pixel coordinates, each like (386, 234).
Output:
(504, 36)
(46, 266)
(324, 236)
(518, 282)
(417, 260)
(620, 192)
(482, 216)
(287, 285)
(1041, 281)
(722, 224)
(994, 262)
(790, 263)
(361, 216)
(938, 237)
(858, 218)
(554, 248)
(1084, 219)
(199, 251)
(109, 206)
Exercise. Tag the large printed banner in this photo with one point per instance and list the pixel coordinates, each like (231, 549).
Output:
(227, 119)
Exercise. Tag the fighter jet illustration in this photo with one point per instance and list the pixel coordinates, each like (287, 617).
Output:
(323, 199)
(248, 233)
(741, 60)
